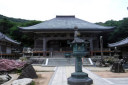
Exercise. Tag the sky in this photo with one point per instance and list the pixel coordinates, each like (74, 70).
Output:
(89, 10)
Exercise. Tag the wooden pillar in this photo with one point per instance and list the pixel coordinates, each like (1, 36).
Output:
(34, 43)
(32, 52)
(97, 44)
(110, 52)
(1, 51)
(91, 46)
(44, 46)
(38, 54)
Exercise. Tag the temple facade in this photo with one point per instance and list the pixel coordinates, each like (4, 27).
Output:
(52, 37)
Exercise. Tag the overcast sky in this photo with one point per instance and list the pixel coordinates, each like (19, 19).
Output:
(89, 10)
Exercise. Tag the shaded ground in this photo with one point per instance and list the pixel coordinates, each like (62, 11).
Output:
(104, 72)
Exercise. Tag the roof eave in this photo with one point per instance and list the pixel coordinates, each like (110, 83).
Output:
(64, 29)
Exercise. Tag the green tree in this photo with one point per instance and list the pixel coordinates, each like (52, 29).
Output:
(5, 25)
(121, 31)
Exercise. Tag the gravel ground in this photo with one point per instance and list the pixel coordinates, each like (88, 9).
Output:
(41, 68)
(44, 75)
(43, 78)
(106, 73)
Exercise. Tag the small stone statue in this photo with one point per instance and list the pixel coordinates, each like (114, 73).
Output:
(76, 34)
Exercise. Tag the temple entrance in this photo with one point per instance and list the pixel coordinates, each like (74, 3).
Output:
(58, 45)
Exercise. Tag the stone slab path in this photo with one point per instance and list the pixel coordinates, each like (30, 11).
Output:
(62, 73)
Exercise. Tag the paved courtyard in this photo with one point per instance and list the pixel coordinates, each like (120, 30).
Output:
(100, 76)
(62, 73)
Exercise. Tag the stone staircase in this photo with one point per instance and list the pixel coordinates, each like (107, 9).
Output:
(65, 62)
(38, 60)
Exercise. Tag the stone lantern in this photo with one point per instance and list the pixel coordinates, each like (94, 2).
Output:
(79, 51)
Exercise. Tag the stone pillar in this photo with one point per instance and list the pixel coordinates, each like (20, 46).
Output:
(91, 46)
(101, 46)
(78, 64)
(44, 46)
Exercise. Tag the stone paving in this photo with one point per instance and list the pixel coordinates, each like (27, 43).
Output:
(62, 73)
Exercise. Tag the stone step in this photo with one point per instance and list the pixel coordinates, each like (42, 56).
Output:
(66, 61)
(38, 60)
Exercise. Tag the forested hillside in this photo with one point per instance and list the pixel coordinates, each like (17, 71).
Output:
(9, 26)
(120, 32)
(14, 19)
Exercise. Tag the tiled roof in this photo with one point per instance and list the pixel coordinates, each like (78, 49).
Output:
(66, 23)
(119, 43)
(5, 38)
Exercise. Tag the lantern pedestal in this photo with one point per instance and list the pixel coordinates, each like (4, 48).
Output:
(79, 77)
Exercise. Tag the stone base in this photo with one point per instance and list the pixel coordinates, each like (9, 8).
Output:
(79, 78)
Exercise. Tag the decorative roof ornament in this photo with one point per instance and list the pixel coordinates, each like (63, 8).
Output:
(76, 36)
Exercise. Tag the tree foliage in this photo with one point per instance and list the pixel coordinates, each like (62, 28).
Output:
(120, 32)
(10, 28)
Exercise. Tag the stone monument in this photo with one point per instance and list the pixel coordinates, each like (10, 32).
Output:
(117, 66)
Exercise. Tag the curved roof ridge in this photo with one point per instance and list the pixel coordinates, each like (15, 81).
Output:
(119, 43)
(4, 37)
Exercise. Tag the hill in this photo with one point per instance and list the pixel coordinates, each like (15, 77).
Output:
(8, 26)
(13, 19)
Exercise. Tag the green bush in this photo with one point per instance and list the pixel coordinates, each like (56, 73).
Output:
(33, 83)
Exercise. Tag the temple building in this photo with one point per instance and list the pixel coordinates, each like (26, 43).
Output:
(54, 35)
(7, 45)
